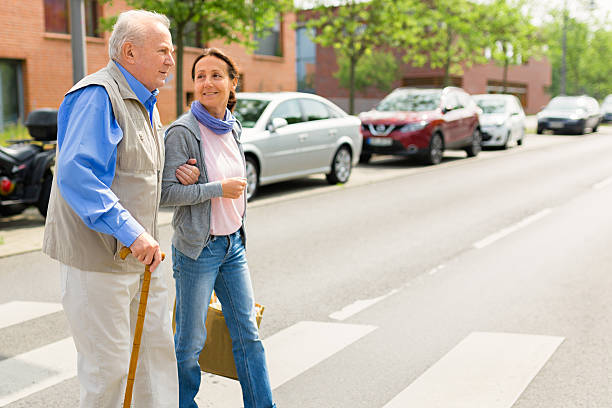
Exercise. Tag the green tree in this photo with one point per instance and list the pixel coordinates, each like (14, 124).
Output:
(354, 30)
(231, 20)
(376, 68)
(511, 37)
(449, 35)
(596, 64)
(578, 38)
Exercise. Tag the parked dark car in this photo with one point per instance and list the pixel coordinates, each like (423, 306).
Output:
(606, 109)
(421, 122)
(570, 114)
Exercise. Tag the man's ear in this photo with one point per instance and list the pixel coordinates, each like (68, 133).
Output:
(128, 52)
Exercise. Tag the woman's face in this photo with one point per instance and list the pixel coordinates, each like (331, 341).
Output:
(213, 84)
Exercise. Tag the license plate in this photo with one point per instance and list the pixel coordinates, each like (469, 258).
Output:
(556, 125)
(380, 141)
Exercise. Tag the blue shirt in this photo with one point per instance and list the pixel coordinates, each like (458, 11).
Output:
(87, 138)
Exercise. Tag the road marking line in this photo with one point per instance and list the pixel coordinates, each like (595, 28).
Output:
(513, 228)
(36, 370)
(358, 306)
(484, 370)
(16, 312)
(290, 352)
(603, 184)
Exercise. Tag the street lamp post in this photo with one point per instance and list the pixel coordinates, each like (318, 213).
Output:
(564, 48)
(77, 31)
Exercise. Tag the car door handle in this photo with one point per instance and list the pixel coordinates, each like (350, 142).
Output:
(333, 132)
(303, 137)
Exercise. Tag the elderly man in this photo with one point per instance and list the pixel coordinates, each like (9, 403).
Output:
(106, 196)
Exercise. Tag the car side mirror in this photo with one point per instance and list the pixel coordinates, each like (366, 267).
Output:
(277, 123)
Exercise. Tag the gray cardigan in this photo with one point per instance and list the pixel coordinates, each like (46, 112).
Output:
(191, 220)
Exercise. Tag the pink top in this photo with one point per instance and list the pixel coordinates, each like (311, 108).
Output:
(223, 160)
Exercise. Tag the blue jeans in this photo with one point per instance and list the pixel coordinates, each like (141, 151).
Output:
(222, 265)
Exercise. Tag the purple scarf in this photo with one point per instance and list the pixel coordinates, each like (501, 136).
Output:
(220, 127)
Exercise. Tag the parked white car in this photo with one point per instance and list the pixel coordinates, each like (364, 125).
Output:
(289, 135)
(502, 121)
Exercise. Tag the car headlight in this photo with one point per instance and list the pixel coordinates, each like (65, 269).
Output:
(575, 116)
(411, 127)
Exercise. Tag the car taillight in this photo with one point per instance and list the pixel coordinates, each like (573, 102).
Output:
(6, 186)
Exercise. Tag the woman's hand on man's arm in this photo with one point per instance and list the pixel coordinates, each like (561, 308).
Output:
(188, 174)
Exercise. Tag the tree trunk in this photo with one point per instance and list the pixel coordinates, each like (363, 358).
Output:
(447, 63)
(179, 69)
(505, 77)
(352, 85)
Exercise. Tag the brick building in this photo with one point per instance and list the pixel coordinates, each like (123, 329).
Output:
(36, 57)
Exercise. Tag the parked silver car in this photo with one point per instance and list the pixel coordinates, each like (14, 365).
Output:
(289, 135)
(502, 121)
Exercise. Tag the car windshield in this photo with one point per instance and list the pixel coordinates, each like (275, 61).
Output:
(410, 101)
(564, 104)
(248, 111)
(491, 105)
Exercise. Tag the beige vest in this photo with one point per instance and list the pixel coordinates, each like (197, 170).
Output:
(137, 184)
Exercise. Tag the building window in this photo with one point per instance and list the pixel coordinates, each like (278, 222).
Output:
(306, 60)
(11, 93)
(270, 42)
(57, 17)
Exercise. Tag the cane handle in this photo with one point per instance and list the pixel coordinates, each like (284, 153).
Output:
(125, 251)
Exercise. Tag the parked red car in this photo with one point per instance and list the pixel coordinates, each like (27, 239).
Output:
(422, 122)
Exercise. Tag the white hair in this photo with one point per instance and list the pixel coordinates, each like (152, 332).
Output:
(130, 28)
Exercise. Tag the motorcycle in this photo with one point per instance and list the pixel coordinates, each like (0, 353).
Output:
(26, 166)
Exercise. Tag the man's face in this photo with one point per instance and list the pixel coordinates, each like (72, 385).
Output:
(152, 58)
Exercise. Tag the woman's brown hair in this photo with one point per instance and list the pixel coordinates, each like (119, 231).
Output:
(232, 70)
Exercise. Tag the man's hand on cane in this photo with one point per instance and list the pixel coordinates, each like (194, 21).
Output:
(146, 250)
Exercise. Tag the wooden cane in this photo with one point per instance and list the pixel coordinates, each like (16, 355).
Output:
(142, 308)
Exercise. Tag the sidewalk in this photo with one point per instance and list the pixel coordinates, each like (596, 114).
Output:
(24, 232)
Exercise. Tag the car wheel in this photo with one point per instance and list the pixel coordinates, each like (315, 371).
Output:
(252, 176)
(474, 148)
(519, 142)
(539, 131)
(364, 158)
(435, 151)
(45, 193)
(596, 127)
(341, 166)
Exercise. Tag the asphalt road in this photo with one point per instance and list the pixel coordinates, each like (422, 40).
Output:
(477, 283)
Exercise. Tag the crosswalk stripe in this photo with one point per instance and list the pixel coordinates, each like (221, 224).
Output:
(484, 370)
(289, 352)
(17, 311)
(358, 306)
(36, 370)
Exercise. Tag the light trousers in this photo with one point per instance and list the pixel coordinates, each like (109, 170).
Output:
(102, 309)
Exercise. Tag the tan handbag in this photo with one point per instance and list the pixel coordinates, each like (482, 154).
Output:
(216, 356)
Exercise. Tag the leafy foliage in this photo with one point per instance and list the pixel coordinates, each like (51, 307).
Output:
(377, 69)
(231, 20)
(446, 35)
(354, 30)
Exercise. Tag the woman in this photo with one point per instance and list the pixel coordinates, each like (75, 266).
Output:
(208, 250)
